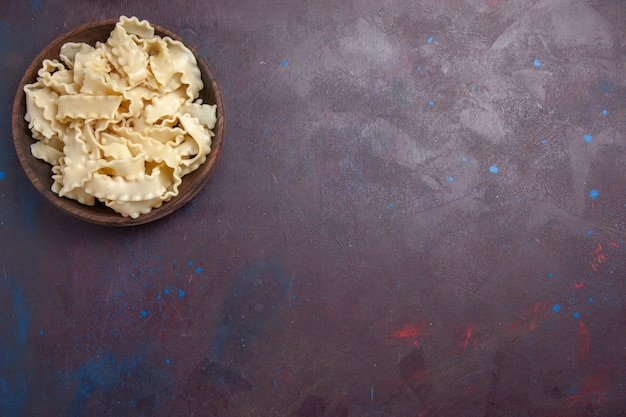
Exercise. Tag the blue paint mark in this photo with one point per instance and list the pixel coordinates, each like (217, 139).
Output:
(550, 274)
(3, 28)
(41, 332)
(431, 103)
(390, 205)
(603, 87)
(588, 138)
(544, 141)
(419, 69)
(190, 263)
(430, 40)
(105, 376)
(463, 159)
(144, 313)
(181, 293)
(2, 175)
(259, 284)
(576, 315)
(494, 169)
(450, 179)
(590, 300)
(605, 112)
(556, 308)
(166, 291)
(589, 233)
(285, 63)
(537, 63)
(13, 384)
(594, 194)
(35, 5)
(198, 270)
(29, 204)
(168, 361)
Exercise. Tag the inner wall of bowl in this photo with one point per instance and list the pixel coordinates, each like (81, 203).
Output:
(40, 172)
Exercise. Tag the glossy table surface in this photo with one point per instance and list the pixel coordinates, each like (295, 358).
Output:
(419, 210)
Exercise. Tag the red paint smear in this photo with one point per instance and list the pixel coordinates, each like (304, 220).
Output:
(425, 411)
(595, 262)
(469, 390)
(578, 285)
(468, 336)
(535, 312)
(409, 331)
(331, 312)
(598, 257)
(406, 63)
(533, 322)
(597, 250)
(521, 318)
(583, 339)
(287, 376)
(614, 244)
(594, 390)
(596, 384)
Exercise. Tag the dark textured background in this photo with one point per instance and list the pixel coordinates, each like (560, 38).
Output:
(353, 254)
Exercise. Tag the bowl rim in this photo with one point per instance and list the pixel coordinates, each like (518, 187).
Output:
(106, 216)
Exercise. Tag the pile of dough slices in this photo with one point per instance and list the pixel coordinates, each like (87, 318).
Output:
(121, 122)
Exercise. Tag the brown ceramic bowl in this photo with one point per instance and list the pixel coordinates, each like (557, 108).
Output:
(39, 172)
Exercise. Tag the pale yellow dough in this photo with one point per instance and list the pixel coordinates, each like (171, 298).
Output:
(120, 122)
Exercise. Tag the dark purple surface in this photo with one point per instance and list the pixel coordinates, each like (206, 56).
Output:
(355, 253)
